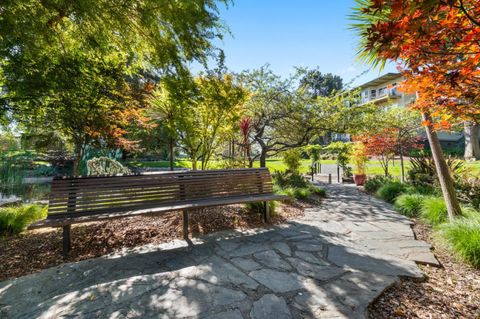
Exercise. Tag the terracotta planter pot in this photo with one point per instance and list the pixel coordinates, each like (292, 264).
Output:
(359, 179)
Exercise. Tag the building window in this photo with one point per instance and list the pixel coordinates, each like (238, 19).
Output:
(373, 94)
(382, 91)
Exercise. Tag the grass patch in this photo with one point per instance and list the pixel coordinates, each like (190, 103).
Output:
(463, 236)
(15, 219)
(409, 204)
(434, 210)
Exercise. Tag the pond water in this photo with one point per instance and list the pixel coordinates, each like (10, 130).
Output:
(24, 192)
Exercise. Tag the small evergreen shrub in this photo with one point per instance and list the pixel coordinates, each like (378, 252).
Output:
(318, 191)
(409, 204)
(373, 184)
(302, 193)
(434, 210)
(463, 235)
(257, 207)
(391, 190)
(15, 219)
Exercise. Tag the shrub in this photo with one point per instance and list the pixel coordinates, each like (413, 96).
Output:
(391, 190)
(44, 171)
(423, 171)
(409, 204)
(373, 184)
(257, 207)
(292, 158)
(463, 235)
(434, 210)
(318, 191)
(15, 219)
(289, 180)
(468, 190)
(302, 193)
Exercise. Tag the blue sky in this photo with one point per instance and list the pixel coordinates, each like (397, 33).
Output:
(289, 33)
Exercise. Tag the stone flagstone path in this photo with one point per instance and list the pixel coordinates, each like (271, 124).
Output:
(330, 264)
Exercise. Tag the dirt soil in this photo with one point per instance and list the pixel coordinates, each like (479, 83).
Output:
(35, 250)
(452, 291)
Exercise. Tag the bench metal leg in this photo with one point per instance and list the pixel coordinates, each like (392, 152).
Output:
(185, 224)
(66, 240)
(266, 212)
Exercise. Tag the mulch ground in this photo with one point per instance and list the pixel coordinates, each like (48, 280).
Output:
(33, 251)
(452, 291)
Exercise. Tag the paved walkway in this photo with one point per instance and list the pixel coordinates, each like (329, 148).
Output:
(330, 264)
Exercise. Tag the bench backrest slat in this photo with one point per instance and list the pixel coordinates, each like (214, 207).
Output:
(80, 195)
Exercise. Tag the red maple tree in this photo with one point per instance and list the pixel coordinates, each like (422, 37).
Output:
(437, 47)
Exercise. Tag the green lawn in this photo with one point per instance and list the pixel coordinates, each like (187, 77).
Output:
(373, 166)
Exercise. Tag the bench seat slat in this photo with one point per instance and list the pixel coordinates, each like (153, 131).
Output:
(187, 205)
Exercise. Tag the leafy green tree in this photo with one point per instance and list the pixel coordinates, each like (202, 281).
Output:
(67, 66)
(285, 116)
(200, 115)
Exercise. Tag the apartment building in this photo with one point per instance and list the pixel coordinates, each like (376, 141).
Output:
(383, 91)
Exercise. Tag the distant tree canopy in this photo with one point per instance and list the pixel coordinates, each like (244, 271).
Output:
(318, 84)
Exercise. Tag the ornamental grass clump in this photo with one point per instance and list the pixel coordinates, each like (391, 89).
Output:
(434, 210)
(409, 204)
(373, 184)
(463, 236)
(391, 190)
(15, 219)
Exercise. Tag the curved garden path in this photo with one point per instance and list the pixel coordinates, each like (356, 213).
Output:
(330, 264)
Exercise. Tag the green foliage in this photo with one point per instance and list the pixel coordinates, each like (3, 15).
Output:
(292, 158)
(422, 189)
(15, 219)
(258, 207)
(468, 190)
(423, 170)
(342, 150)
(318, 191)
(314, 151)
(390, 191)
(409, 204)
(105, 166)
(284, 179)
(373, 184)
(44, 170)
(200, 114)
(463, 235)
(83, 69)
(434, 210)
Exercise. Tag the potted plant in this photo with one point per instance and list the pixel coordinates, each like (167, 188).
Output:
(359, 160)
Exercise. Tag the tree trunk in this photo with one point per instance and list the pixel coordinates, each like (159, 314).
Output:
(172, 154)
(263, 158)
(194, 164)
(79, 152)
(443, 173)
(472, 144)
(402, 165)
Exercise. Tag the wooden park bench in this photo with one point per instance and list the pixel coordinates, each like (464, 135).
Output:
(76, 200)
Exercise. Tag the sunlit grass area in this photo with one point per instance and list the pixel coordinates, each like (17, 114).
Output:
(276, 164)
